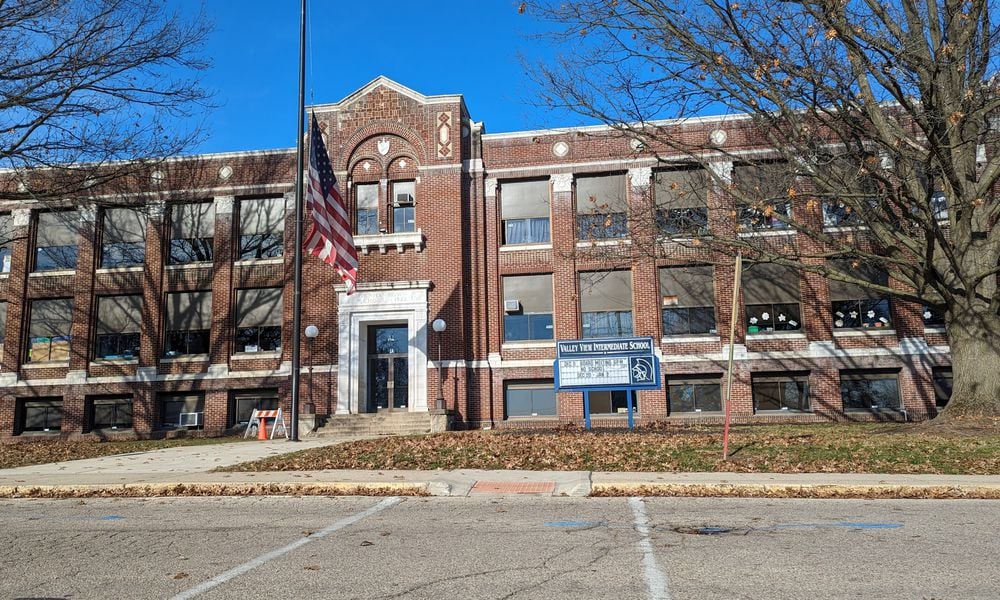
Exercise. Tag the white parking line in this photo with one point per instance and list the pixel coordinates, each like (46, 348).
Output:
(266, 558)
(656, 579)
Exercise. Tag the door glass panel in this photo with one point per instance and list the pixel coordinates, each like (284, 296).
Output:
(400, 383)
(378, 379)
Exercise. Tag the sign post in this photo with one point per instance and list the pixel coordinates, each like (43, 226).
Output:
(606, 364)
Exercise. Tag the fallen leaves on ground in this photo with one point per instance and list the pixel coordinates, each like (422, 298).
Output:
(844, 448)
(22, 453)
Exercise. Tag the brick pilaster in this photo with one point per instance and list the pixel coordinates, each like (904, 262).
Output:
(151, 342)
(17, 304)
(222, 282)
(83, 291)
(565, 281)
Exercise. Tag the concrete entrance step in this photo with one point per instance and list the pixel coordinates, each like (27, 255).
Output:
(397, 422)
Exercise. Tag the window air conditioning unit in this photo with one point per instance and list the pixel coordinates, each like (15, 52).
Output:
(192, 419)
(404, 199)
(511, 306)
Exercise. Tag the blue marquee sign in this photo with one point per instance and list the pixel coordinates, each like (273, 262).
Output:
(606, 364)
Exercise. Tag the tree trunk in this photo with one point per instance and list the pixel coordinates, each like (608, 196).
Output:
(974, 336)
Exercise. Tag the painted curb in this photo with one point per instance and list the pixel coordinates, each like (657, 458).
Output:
(728, 490)
(144, 490)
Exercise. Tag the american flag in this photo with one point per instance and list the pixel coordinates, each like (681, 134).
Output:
(330, 238)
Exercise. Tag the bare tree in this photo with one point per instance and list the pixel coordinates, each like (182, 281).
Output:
(92, 91)
(873, 128)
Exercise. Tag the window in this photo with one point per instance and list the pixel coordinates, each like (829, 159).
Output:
(855, 306)
(43, 414)
(530, 399)
(933, 317)
(838, 214)
(942, 386)
(192, 228)
(688, 300)
(55, 241)
(118, 326)
(781, 392)
(188, 323)
(861, 391)
(4, 259)
(182, 411)
(49, 330)
(682, 201)
(109, 413)
(606, 303)
(403, 215)
(242, 404)
(366, 214)
(527, 306)
(694, 395)
(258, 320)
(762, 192)
(3, 322)
(607, 402)
(524, 211)
(771, 293)
(262, 227)
(601, 207)
(123, 240)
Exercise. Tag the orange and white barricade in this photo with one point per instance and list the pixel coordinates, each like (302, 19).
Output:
(259, 419)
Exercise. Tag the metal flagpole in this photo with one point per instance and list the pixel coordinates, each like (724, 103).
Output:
(299, 168)
(737, 278)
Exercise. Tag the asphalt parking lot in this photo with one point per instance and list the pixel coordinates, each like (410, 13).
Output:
(498, 547)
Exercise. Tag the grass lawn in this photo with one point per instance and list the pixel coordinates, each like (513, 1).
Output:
(21, 454)
(857, 448)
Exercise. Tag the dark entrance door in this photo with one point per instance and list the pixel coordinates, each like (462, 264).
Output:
(388, 368)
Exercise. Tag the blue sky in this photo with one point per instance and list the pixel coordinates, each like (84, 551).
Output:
(432, 47)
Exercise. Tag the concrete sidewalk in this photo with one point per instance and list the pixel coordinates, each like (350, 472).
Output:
(187, 471)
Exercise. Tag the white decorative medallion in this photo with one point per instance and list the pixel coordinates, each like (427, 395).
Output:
(383, 146)
(718, 137)
(560, 149)
(225, 173)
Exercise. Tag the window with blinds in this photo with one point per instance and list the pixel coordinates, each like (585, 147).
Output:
(771, 293)
(108, 413)
(49, 330)
(688, 300)
(40, 415)
(56, 241)
(243, 403)
(119, 319)
(531, 398)
(366, 208)
(869, 390)
(182, 411)
(762, 196)
(262, 227)
(188, 323)
(524, 212)
(192, 230)
(258, 320)
(694, 395)
(123, 238)
(601, 207)
(856, 306)
(781, 392)
(606, 303)
(527, 304)
(681, 197)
